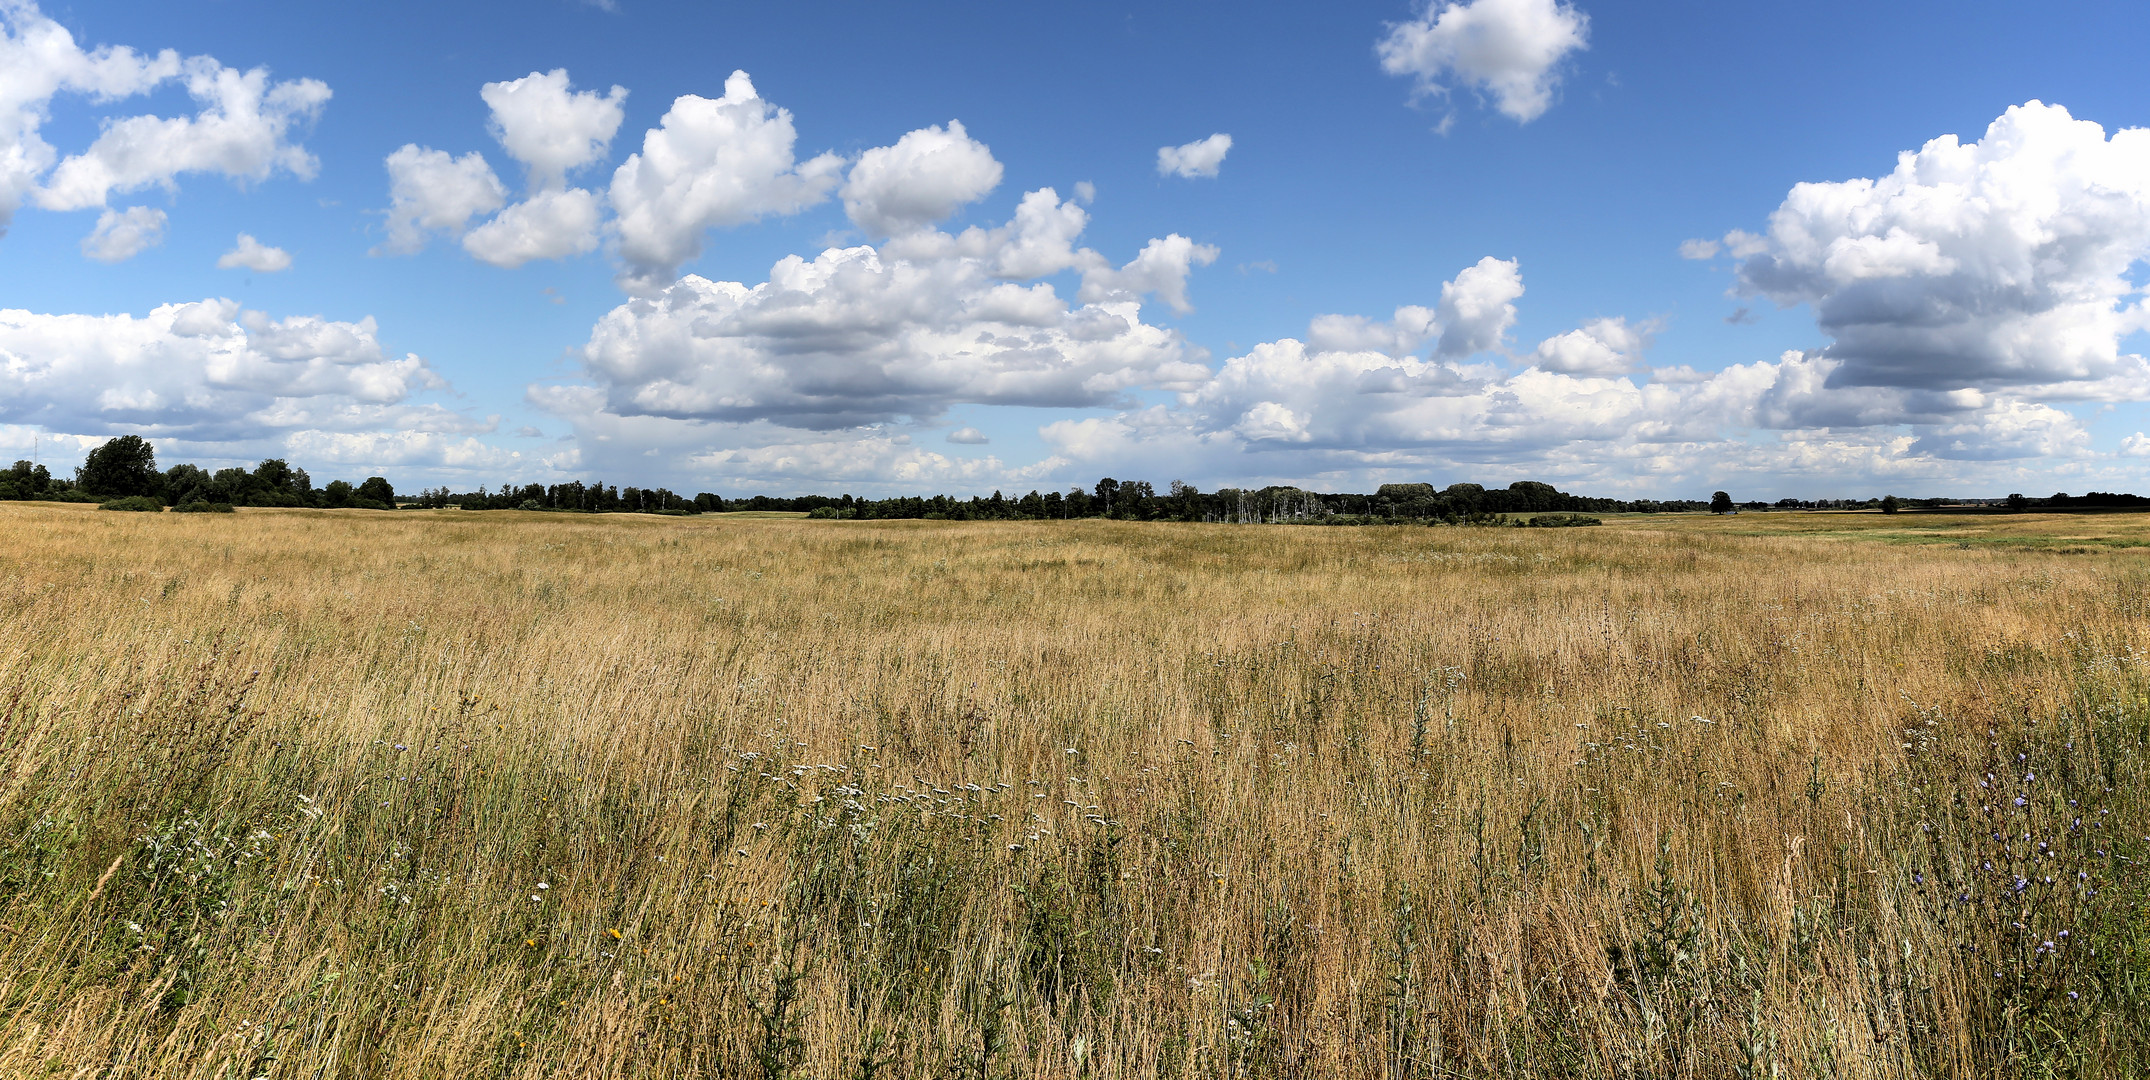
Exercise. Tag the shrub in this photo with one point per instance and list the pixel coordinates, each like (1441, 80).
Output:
(200, 507)
(1562, 521)
(138, 503)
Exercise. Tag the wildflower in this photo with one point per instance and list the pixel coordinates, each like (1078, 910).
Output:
(615, 933)
(543, 886)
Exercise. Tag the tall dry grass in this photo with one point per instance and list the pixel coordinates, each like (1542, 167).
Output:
(429, 795)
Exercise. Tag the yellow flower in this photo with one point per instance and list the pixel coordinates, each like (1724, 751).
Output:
(530, 943)
(615, 934)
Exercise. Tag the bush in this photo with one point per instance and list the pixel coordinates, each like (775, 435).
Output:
(1561, 521)
(138, 503)
(200, 507)
(71, 497)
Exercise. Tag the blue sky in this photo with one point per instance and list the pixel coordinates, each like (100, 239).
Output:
(1444, 243)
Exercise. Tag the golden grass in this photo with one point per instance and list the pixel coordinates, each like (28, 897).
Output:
(1671, 797)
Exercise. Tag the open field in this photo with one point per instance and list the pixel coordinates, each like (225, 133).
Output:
(351, 794)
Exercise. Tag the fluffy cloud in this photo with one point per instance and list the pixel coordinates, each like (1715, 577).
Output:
(709, 163)
(252, 254)
(861, 336)
(550, 128)
(928, 175)
(1600, 347)
(1198, 158)
(1510, 49)
(1478, 307)
(242, 131)
(1997, 265)
(209, 370)
(431, 192)
(968, 436)
(1161, 267)
(550, 225)
(1355, 404)
(1411, 327)
(121, 235)
(543, 123)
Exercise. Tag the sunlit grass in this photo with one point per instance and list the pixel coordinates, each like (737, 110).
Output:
(428, 794)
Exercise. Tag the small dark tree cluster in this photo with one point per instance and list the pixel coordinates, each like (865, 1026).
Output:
(125, 469)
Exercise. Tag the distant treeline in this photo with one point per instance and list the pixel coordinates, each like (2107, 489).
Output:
(123, 474)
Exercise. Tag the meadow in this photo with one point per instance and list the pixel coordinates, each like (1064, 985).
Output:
(320, 794)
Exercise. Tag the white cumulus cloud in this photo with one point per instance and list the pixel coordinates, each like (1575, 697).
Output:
(863, 336)
(1161, 267)
(208, 370)
(1600, 347)
(1510, 49)
(928, 175)
(252, 254)
(1198, 158)
(243, 129)
(431, 192)
(1996, 264)
(241, 132)
(549, 225)
(709, 163)
(122, 234)
(1413, 325)
(1478, 307)
(550, 127)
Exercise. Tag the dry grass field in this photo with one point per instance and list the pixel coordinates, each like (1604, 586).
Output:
(319, 794)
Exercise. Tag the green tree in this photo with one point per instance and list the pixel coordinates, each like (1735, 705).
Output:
(185, 483)
(1107, 495)
(377, 489)
(27, 480)
(337, 494)
(1890, 504)
(1720, 503)
(283, 484)
(123, 466)
(2017, 503)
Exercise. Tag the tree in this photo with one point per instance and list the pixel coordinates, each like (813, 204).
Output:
(1720, 503)
(2017, 503)
(378, 489)
(185, 483)
(1890, 504)
(124, 466)
(27, 480)
(283, 484)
